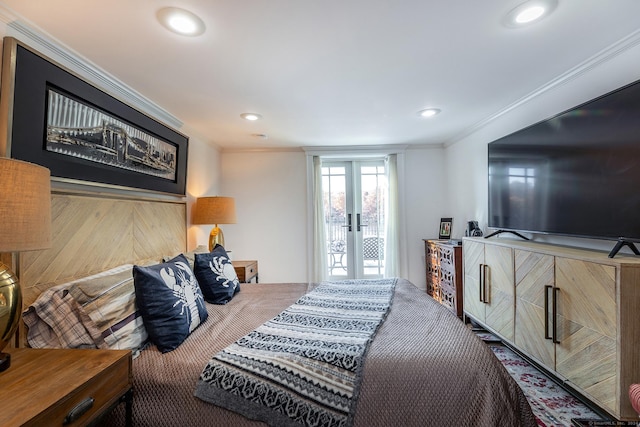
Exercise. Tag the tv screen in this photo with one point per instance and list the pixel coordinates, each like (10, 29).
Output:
(576, 174)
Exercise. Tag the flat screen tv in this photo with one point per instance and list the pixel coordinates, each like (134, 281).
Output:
(575, 174)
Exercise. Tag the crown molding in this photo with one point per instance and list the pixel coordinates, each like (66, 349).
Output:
(237, 150)
(65, 56)
(605, 55)
(355, 150)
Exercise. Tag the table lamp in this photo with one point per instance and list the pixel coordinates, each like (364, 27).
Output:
(215, 210)
(25, 225)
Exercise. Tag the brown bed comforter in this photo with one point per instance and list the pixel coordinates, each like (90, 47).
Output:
(424, 368)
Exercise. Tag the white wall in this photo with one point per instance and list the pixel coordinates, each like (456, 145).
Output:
(271, 195)
(427, 199)
(203, 170)
(270, 186)
(270, 192)
(271, 204)
(203, 179)
(466, 160)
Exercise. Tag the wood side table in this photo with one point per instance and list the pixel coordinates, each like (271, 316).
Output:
(64, 386)
(246, 270)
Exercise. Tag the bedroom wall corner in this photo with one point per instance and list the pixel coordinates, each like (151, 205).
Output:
(426, 201)
(4, 19)
(271, 202)
(203, 179)
(466, 158)
(271, 207)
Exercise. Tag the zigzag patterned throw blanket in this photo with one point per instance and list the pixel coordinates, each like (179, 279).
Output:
(303, 367)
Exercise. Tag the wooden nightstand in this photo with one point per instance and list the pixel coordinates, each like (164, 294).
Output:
(246, 270)
(70, 387)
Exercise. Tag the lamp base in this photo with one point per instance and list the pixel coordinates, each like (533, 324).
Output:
(5, 361)
(10, 306)
(216, 237)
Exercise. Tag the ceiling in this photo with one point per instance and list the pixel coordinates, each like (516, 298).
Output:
(330, 73)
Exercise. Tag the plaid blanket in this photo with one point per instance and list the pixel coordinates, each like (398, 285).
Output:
(56, 320)
(97, 311)
(304, 366)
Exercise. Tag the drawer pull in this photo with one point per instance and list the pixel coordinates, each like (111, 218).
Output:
(78, 411)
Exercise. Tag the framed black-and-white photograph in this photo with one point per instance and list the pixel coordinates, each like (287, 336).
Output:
(81, 133)
(445, 228)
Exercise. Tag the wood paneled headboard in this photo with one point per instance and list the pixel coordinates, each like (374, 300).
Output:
(92, 233)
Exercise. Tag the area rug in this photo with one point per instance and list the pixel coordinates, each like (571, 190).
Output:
(485, 336)
(552, 405)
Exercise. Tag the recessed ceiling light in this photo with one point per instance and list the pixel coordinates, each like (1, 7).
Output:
(529, 12)
(429, 112)
(251, 116)
(180, 21)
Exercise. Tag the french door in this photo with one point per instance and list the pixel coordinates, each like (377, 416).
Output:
(354, 194)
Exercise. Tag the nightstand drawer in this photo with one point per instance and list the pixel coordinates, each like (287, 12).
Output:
(246, 270)
(45, 387)
(105, 389)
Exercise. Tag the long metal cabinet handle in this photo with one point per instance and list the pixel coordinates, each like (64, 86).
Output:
(554, 322)
(485, 299)
(480, 283)
(547, 335)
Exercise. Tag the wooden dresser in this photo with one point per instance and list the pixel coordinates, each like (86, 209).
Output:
(444, 273)
(572, 311)
(64, 387)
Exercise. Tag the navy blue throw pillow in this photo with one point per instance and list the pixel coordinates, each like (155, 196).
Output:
(170, 301)
(216, 276)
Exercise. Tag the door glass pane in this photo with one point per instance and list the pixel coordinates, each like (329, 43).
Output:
(373, 184)
(354, 198)
(335, 202)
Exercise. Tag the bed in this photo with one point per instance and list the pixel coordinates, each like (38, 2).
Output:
(423, 366)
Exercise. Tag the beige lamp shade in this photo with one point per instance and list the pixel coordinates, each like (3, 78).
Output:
(25, 206)
(25, 225)
(215, 210)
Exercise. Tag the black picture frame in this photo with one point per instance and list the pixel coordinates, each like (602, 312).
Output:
(141, 153)
(445, 228)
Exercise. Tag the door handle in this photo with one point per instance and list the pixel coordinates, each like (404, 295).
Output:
(359, 223)
(348, 223)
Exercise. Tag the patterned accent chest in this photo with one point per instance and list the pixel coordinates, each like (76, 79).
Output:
(444, 273)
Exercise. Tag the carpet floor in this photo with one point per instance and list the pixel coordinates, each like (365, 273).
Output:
(552, 405)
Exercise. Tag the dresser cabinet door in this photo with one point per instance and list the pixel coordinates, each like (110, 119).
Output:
(473, 258)
(586, 353)
(500, 309)
(534, 277)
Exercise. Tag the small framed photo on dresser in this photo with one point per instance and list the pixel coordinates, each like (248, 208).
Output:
(445, 228)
